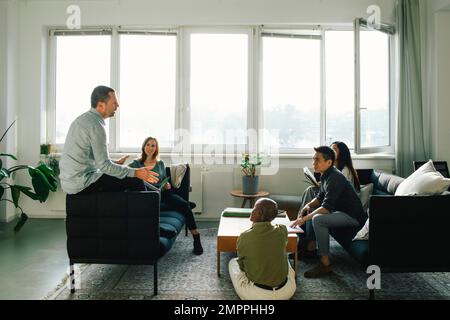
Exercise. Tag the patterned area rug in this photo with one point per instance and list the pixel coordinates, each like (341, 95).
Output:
(184, 276)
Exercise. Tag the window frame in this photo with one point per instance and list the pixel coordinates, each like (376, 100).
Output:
(50, 117)
(115, 121)
(390, 148)
(189, 147)
(286, 31)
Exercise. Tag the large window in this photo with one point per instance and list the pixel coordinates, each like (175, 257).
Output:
(340, 87)
(82, 63)
(374, 105)
(303, 87)
(218, 85)
(291, 89)
(148, 71)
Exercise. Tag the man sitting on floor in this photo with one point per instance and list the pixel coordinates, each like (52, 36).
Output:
(262, 270)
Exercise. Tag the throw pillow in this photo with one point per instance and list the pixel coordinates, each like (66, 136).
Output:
(425, 181)
(364, 195)
(363, 234)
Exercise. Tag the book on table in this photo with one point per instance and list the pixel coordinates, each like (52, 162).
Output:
(245, 213)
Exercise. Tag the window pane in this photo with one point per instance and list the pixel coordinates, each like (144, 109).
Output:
(375, 129)
(147, 89)
(291, 90)
(219, 88)
(82, 63)
(340, 87)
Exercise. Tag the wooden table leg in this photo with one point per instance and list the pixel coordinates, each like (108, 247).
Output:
(243, 203)
(252, 203)
(295, 262)
(218, 263)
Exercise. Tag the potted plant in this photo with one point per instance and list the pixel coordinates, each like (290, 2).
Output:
(250, 181)
(43, 181)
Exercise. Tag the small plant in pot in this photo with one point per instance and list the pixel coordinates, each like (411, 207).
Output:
(250, 181)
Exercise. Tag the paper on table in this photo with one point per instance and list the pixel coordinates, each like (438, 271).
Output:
(289, 229)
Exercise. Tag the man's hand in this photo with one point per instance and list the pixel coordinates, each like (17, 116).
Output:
(146, 174)
(122, 159)
(301, 221)
(306, 209)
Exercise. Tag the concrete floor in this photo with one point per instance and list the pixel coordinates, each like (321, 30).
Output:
(34, 261)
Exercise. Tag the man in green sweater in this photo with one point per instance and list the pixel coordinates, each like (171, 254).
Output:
(262, 270)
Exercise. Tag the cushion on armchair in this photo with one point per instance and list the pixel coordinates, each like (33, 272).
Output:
(385, 183)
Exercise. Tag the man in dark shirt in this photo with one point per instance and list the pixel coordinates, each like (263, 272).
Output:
(336, 205)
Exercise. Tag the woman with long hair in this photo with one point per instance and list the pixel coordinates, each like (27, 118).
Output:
(150, 157)
(344, 163)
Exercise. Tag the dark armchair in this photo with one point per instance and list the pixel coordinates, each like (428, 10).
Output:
(120, 228)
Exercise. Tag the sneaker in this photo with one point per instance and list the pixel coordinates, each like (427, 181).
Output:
(318, 271)
(198, 249)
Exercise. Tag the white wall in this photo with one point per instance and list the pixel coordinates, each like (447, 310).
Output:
(437, 5)
(3, 63)
(437, 77)
(36, 16)
(9, 15)
(442, 40)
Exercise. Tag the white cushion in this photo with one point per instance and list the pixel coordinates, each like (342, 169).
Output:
(424, 181)
(363, 234)
(364, 195)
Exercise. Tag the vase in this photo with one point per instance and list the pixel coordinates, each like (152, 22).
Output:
(250, 185)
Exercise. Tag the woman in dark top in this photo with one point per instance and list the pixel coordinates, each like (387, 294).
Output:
(150, 157)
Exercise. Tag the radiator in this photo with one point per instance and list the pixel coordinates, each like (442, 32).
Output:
(196, 194)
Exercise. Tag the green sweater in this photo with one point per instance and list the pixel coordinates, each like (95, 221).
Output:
(261, 253)
(159, 168)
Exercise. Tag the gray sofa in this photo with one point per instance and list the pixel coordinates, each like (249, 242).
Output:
(406, 233)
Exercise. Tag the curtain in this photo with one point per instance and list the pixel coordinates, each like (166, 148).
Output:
(410, 127)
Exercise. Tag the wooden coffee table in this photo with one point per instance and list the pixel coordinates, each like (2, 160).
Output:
(230, 228)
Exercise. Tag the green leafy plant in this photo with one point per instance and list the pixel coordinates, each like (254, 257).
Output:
(43, 180)
(249, 164)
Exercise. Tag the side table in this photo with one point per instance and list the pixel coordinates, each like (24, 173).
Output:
(249, 197)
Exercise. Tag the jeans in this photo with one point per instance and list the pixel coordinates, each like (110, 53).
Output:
(318, 229)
